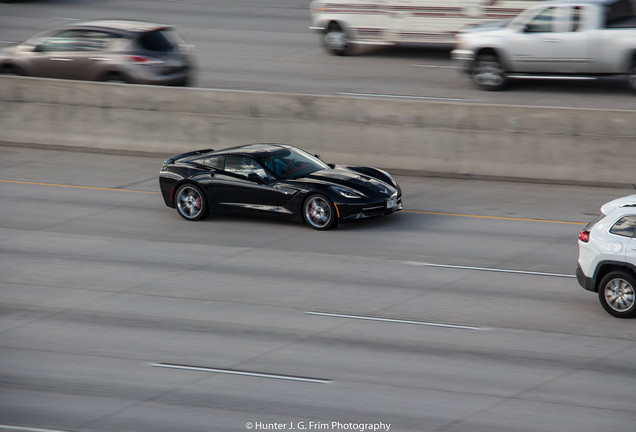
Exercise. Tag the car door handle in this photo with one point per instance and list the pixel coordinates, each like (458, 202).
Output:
(62, 59)
(550, 40)
(99, 58)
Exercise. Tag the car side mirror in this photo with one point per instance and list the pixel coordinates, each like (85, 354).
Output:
(332, 166)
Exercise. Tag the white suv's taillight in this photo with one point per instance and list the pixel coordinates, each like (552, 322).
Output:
(584, 236)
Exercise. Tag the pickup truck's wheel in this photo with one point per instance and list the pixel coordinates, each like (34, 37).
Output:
(336, 40)
(488, 72)
(617, 294)
(631, 75)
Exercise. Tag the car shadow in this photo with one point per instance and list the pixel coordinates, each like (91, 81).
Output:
(406, 52)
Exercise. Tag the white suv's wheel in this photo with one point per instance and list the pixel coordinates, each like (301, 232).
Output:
(617, 294)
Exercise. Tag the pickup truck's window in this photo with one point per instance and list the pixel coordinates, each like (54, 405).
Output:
(542, 22)
(620, 14)
(577, 14)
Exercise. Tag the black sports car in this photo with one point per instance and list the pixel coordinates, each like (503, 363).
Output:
(276, 179)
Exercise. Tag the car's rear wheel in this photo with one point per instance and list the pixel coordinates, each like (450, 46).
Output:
(336, 40)
(10, 70)
(115, 77)
(191, 202)
(319, 212)
(488, 72)
(617, 294)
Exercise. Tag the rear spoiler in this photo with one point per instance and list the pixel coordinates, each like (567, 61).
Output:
(173, 159)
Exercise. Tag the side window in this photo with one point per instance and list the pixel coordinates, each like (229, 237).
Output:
(78, 40)
(577, 18)
(625, 226)
(217, 162)
(543, 22)
(243, 166)
(89, 40)
(62, 41)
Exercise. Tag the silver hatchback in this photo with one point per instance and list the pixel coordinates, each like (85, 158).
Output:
(106, 50)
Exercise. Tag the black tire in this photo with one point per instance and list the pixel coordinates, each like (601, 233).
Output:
(488, 72)
(337, 40)
(115, 77)
(190, 202)
(631, 75)
(617, 294)
(10, 70)
(319, 212)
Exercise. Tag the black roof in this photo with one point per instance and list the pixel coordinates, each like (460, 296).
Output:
(256, 150)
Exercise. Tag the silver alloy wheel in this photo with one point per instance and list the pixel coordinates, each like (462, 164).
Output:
(318, 212)
(190, 202)
(619, 295)
(489, 73)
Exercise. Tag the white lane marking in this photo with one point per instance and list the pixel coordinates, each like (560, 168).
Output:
(390, 320)
(404, 96)
(27, 429)
(242, 373)
(534, 273)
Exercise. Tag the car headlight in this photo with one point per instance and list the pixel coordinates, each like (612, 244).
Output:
(346, 192)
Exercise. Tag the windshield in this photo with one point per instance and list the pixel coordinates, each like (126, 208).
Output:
(290, 163)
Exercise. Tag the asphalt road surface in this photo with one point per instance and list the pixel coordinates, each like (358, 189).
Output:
(266, 45)
(460, 313)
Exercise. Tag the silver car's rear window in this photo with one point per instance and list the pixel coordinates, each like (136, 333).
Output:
(159, 40)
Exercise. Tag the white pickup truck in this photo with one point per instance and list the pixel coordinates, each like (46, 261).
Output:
(557, 39)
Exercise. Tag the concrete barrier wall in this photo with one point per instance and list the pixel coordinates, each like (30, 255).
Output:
(412, 136)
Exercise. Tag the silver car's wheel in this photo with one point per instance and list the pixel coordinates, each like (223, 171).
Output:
(191, 203)
(617, 294)
(336, 40)
(319, 212)
(114, 77)
(488, 72)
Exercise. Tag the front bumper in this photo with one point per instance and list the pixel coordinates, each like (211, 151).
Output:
(463, 58)
(351, 212)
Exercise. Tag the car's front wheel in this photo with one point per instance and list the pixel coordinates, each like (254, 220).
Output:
(336, 40)
(191, 202)
(617, 294)
(319, 212)
(488, 72)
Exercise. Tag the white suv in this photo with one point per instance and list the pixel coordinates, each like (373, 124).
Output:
(607, 257)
